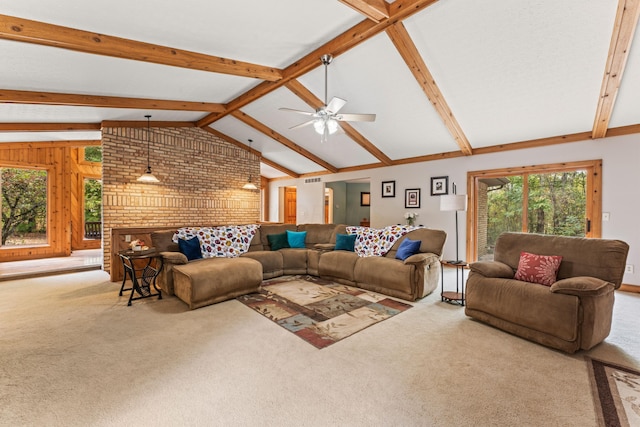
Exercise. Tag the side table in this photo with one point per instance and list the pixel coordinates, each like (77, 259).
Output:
(456, 297)
(142, 278)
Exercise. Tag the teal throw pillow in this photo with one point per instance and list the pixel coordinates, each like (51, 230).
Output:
(278, 241)
(345, 242)
(296, 238)
(190, 248)
(407, 248)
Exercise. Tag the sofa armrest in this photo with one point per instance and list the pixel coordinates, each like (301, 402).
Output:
(420, 258)
(174, 258)
(324, 246)
(495, 269)
(582, 286)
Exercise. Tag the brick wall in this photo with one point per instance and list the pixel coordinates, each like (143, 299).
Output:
(201, 178)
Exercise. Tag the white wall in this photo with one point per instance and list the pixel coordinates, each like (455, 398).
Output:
(620, 194)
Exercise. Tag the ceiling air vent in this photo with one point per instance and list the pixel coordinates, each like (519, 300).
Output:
(310, 180)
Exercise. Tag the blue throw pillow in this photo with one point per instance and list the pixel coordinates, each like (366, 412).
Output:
(345, 242)
(278, 241)
(190, 248)
(296, 238)
(407, 248)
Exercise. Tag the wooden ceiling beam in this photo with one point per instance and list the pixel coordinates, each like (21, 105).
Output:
(409, 52)
(47, 127)
(49, 144)
(398, 10)
(619, 49)
(248, 120)
(314, 102)
(254, 151)
(376, 10)
(24, 30)
(143, 124)
(9, 96)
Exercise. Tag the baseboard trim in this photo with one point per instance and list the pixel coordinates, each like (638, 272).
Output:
(629, 288)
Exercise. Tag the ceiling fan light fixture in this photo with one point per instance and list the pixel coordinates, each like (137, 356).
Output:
(320, 125)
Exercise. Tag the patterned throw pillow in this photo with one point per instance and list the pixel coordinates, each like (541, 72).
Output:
(541, 269)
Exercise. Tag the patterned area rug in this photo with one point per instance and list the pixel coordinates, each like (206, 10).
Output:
(320, 312)
(616, 393)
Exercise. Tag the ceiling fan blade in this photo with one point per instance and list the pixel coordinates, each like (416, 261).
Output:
(301, 125)
(307, 113)
(356, 117)
(335, 104)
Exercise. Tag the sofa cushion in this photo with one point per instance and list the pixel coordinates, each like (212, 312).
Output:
(278, 241)
(407, 248)
(318, 233)
(272, 262)
(601, 258)
(296, 239)
(345, 242)
(190, 248)
(163, 241)
(541, 269)
(338, 265)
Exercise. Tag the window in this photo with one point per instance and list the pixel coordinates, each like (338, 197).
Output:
(92, 208)
(559, 199)
(93, 154)
(24, 207)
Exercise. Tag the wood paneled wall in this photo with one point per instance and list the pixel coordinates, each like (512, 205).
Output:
(61, 161)
(56, 161)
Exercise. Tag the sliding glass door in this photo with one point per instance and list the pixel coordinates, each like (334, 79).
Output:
(558, 199)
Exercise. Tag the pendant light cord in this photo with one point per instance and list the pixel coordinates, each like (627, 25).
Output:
(148, 142)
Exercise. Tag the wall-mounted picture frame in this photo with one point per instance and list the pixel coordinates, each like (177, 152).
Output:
(412, 198)
(365, 198)
(439, 185)
(388, 189)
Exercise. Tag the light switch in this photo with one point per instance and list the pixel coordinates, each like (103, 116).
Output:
(605, 216)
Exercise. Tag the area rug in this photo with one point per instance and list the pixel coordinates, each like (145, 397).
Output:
(616, 393)
(320, 312)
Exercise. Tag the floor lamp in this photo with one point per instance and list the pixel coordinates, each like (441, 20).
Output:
(454, 202)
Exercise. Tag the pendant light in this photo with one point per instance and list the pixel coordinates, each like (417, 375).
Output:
(147, 176)
(250, 185)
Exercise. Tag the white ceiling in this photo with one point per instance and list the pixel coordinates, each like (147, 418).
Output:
(509, 72)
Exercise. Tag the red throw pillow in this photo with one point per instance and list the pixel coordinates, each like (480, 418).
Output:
(540, 269)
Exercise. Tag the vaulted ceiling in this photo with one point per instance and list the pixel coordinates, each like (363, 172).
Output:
(445, 78)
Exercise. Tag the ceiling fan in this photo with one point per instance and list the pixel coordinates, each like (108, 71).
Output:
(325, 119)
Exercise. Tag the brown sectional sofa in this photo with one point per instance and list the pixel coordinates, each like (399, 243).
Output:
(411, 279)
(573, 313)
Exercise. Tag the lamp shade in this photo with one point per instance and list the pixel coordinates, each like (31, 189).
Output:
(250, 186)
(453, 202)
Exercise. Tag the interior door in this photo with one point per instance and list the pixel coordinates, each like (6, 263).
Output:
(290, 205)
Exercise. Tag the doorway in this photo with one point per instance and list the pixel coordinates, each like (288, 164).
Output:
(290, 205)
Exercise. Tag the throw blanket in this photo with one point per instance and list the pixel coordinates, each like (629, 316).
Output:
(377, 242)
(225, 241)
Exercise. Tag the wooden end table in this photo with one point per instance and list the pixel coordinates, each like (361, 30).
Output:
(142, 278)
(456, 297)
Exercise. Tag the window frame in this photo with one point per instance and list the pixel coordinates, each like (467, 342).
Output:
(593, 203)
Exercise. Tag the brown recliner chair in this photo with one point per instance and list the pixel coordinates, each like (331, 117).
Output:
(573, 313)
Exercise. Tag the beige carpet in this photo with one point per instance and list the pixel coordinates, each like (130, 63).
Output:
(73, 354)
